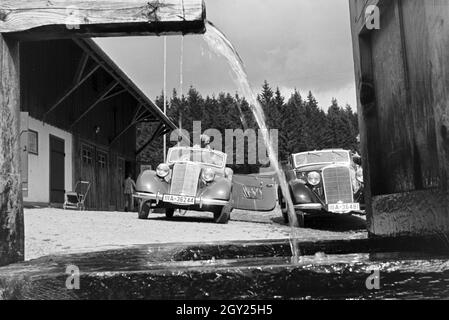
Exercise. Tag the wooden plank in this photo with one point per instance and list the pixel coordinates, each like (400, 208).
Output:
(366, 108)
(395, 124)
(417, 54)
(11, 210)
(102, 17)
(437, 15)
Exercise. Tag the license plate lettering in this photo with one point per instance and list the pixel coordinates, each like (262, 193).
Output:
(343, 207)
(179, 199)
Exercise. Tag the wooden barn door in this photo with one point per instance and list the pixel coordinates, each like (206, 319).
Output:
(88, 173)
(102, 181)
(57, 170)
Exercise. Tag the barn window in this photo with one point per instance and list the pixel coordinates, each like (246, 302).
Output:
(102, 160)
(86, 155)
(33, 144)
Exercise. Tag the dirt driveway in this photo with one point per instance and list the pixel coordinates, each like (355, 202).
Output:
(55, 231)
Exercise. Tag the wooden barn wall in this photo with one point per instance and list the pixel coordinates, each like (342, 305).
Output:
(405, 134)
(48, 70)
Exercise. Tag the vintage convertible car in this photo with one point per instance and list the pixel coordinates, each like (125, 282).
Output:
(197, 179)
(192, 179)
(324, 182)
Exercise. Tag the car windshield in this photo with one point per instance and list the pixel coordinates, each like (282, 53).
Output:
(205, 156)
(316, 157)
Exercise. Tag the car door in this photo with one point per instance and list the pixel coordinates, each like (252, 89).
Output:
(254, 192)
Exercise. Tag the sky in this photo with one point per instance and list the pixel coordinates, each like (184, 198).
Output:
(302, 44)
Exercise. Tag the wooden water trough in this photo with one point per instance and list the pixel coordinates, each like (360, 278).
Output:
(35, 20)
(401, 54)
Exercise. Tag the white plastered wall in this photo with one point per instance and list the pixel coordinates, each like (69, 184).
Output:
(39, 165)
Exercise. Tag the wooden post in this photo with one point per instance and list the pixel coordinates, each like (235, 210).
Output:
(11, 210)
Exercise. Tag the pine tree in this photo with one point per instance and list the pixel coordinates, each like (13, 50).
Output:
(303, 125)
(294, 125)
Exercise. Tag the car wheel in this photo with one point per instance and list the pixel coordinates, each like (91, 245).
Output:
(169, 212)
(301, 218)
(285, 215)
(283, 206)
(282, 202)
(222, 215)
(144, 211)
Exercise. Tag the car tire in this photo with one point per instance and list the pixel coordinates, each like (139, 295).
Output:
(169, 213)
(222, 215)
(144, 211)
(300, 216)
(285, 215)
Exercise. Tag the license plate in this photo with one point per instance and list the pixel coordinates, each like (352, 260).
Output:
(179, 199)
(343, 207)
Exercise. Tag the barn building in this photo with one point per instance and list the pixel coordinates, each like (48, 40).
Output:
(79, 113)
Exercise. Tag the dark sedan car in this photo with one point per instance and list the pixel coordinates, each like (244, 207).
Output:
(324, 182)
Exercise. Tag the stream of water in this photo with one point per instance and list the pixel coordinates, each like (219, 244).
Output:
(220, 45)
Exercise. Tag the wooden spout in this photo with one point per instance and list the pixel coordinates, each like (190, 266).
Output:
(40, 19)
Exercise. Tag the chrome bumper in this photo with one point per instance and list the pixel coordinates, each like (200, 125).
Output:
(319, 207)
(309, 206)
(199, 201)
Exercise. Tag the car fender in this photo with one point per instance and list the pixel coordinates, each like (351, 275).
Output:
(220, 189)
(301, 193)
(149, 182)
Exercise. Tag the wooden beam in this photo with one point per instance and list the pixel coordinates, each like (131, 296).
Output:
(96, 18)
(114, 94)
(95, 52)
(100, 98)
(11, 210)
(81, 67)
(133, 122)
(70, 91)
(155, 134)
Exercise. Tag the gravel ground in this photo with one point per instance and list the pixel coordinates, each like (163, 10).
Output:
(54, 231)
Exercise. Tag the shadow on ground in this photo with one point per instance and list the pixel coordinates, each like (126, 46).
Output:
(183, 219)
(331, 223)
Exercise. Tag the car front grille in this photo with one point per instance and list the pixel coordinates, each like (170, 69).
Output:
(184, 179)
(337, 185)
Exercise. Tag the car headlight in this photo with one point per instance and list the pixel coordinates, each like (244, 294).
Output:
(229, 173)
(314, 178)
(208, 175)
(162, 170)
